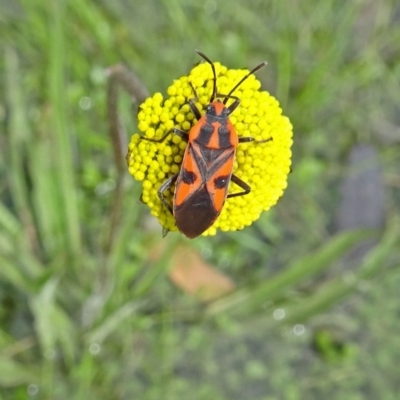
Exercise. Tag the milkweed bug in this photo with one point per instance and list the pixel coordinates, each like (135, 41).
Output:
(206, 171)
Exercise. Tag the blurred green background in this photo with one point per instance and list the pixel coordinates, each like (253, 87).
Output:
(315, 313)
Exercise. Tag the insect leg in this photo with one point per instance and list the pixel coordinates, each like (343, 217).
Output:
(166, 185)
(184, 135)
(194, 109)
(196, 97)
(247, 139)
(246, 188)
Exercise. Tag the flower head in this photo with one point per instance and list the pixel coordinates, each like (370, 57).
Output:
(263, 164)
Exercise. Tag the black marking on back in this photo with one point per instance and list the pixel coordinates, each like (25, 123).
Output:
(210, 155)
(205, 134)
(224, 136)
(221, 181)
(188, 177)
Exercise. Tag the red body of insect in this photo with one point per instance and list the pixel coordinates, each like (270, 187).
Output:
(203, 180)
(202, 183)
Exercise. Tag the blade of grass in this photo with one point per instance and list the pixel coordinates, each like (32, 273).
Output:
(157, 268)
(247, 300)
(19, 135)
(333, 291)
(63, 155)
(103, 330)
(53, 326)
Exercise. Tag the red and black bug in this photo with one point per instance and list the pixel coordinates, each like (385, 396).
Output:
(206, 171)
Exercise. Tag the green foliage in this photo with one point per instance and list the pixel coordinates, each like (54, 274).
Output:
(85, 310)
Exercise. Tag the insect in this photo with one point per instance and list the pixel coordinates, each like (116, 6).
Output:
(202, 183)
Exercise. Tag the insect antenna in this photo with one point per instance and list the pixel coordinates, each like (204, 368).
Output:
(214, 92)
(263, 64)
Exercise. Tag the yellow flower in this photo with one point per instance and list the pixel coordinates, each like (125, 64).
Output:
(264, 166)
